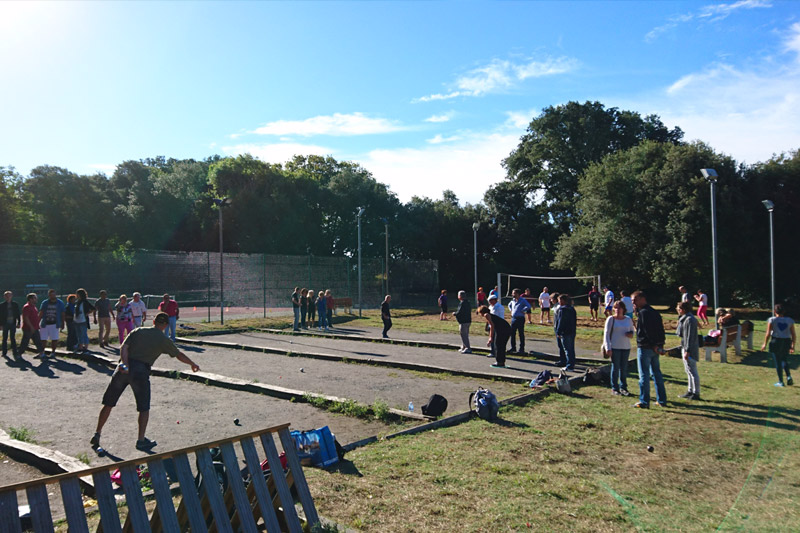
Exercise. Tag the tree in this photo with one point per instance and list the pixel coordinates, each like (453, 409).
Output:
(564, 140)
(11, 212)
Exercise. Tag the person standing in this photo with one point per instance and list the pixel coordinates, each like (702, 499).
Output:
(312, 308)
(544, 305)
(702, 310)
(138, 309)
(330, 305)
(684, 294)
(322, 311)
(690, 348)
(386, 316)
(650, 344)
(499, 333)
(51, 314)
(296, 308)
(594, 303)
(496, 293)
(30, 327)
(464, 318)
(626, 299)
(781, 328)
(565, 325)
(495, 308)
(69, 319)
(609, 301)
(10, 318)
(443, 305)
(81, 319)
(481, 297)
(530, 299)
(103, 318)
(124, 317)
(617, 337)
(170, 307)
(519, 307)
(137, 354)
(303, 307)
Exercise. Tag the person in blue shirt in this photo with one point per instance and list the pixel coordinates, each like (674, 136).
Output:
(518, 307)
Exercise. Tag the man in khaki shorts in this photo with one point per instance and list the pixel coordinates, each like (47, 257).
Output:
(139, 351)
(105, 312)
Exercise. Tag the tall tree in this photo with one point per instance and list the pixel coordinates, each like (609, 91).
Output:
(564, 140)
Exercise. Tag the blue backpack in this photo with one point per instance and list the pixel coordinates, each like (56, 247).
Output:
(484, 403)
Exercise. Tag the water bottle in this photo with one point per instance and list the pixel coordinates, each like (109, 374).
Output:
(411, 406)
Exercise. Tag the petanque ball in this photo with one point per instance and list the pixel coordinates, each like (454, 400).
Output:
(236, 421)
(650, 449)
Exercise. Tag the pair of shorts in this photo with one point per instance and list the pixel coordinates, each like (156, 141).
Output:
(49, 332)
(594, 306)
(138, 377)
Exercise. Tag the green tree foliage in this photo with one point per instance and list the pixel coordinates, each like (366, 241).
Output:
(564, 140)
(12, 218)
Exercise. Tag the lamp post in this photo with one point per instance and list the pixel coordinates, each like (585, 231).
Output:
(386, 265)
(711, 175)
(358, 216)
(771, 207)
(475, 227)
(220, 203)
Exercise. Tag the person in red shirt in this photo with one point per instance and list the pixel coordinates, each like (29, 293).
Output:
(170, 307)
(30, 327)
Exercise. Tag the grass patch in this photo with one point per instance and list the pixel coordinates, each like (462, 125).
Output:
(379, 410)
(84, 458)
(22, 433)
(580, 463)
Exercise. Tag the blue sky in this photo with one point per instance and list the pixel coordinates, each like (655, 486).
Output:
(426, 95)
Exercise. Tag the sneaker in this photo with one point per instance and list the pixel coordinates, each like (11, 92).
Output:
(386, 336)
(498, 366)
(640, 405)
(467, 351)
(695, 397)
(789, 380)
(624, 392)
(95, 440)
(779, 384)
(615, 392)
(44, 356)
(687, 396)
(145, 444)
(662, 404)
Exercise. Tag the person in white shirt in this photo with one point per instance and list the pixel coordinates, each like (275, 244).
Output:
(684, 293)
(626, 299)
(544, 305)
(139, 309)
(497, 309)
(609, 301)
(617, 340)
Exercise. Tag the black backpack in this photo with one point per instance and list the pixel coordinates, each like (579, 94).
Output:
(437, 404)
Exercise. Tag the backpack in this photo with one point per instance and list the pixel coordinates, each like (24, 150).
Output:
(484, 404)
(436, 406)
(541, 379)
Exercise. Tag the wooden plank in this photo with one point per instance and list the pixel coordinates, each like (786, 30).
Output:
(213, 491)
(137, 513)
(299, 478)
(237, 488)
(9, 512)
(260, 485)
(90, 471)
(287, 502)
(190, 501)
(168, 520)
(109, 516)
(41, 518)
(73, 505)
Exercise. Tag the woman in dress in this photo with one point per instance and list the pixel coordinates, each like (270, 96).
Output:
(617, 336)
(124, 317)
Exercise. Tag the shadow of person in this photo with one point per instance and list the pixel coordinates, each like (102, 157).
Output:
(66, 366)
(20, 363)
(347, 467)
(43, 370)
(508, 423)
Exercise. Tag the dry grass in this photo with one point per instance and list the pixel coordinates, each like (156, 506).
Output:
(580, 463)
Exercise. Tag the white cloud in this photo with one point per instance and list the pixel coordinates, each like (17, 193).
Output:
(520, 119)
(500, 75)
(792, 43)
(707, 14)
(338, 124)
(278, 152)
(438, 139)
(467, 167)
(440, 118)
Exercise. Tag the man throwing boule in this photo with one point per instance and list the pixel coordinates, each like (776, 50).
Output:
(138, 352)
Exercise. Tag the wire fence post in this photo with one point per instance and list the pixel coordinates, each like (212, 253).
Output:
(208, 284)
(264, 281)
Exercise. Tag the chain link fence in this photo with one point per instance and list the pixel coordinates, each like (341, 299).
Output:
(254, 281)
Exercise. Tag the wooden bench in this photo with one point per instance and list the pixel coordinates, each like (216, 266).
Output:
(346, 303)
(260, 504)
(732, 335)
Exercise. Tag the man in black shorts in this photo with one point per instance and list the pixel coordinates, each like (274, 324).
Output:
(138, 352)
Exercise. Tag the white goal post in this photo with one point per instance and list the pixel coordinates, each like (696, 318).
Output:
(508, 277)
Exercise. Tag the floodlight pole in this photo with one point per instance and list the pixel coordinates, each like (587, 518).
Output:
(358, 216)
(475, 227)
(386, 266)
(220, 202)
(771, 207)
(711, 175)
